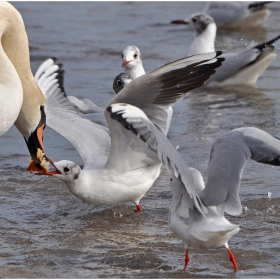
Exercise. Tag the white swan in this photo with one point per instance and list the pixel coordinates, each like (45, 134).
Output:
(21, 100)
(196, 214)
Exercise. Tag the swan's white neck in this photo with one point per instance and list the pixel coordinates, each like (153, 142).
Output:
(15, 65)
(205, 41)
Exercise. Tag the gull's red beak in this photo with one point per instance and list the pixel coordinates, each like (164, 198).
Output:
(125, 62)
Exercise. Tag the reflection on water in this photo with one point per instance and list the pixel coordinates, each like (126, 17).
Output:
(46, 232)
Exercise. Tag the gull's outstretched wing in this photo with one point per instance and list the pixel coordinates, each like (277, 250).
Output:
(228, 157)
(134, 120)
(156, 91)
(90, 140)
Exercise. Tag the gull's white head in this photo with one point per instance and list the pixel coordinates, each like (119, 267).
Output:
(200, 22)
(69, 171)
(205, 28)
(132, 61)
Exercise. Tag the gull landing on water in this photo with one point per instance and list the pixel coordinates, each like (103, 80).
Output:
(239, 68)
(119, 168)
(196, 214)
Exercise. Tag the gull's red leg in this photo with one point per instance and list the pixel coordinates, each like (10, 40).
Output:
(186, 259)
(231, 257)
(138, 208)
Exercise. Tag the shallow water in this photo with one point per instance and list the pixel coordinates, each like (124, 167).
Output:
(48, 233)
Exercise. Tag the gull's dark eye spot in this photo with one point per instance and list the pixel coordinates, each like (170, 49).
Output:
(194, 19)
(135, 56)
(66, 169)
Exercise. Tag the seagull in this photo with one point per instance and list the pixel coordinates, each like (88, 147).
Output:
(132, 62)
(196, 214)
(119, 168)
(239, 68)
(237, 14)
(121, 81)
(21, 101)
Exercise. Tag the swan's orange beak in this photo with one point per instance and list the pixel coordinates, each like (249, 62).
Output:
(39, 161)
(44, 165)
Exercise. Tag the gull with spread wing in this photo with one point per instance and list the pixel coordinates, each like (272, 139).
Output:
(120, 168)
(196, 214)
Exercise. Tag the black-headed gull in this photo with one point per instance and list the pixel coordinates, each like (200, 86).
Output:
(239, 68)
(196, 214)
(132, 62)
(121, 168)
(21, 100)
(121, 81)
(238, 14)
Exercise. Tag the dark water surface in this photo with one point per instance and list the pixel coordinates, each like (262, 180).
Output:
(48, 233)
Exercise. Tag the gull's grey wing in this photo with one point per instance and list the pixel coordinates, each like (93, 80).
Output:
(98, 118)
(157, 91)
(169, 83)
(259, 55)
(233, 63)
(134, 120)
(228, 157)
(92, 111)
(90, 140)
(154, 93)
(85, 105)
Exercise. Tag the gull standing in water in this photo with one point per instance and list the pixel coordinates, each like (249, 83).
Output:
(238, 14)
(239, 68)
(121, 168)
(196, 214)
